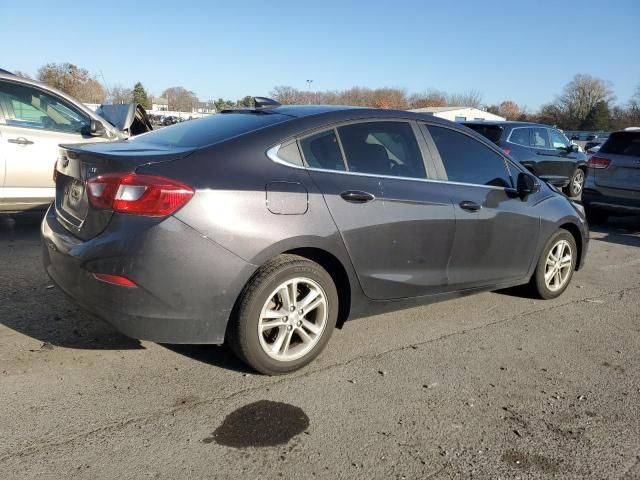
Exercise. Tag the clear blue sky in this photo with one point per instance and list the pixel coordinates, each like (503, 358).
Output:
(520, 50)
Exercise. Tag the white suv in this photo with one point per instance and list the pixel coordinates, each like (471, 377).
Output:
(34, 120)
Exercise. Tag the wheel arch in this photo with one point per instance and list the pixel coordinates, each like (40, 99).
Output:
(577, 236)
(338, 273)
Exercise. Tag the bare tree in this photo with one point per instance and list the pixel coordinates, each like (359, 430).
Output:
(430, 98)
(75, 81)
(581, 96)
(180, 99)
(20, 73)
(120, 94)
(510, 110)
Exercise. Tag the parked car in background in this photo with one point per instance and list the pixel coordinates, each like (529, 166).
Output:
(543, 150)
(34, 119)
(169, 120)
(613, 181)
(592, 150)
(265, 227)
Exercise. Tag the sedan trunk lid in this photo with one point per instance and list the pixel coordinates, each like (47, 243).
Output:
(77, 164)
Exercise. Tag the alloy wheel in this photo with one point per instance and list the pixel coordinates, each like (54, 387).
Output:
(577, 182)
(293, 319)
(558, 266)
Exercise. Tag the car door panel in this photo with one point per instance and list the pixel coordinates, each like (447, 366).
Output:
(554, 165)
(493, 244)
(418, 234)
(496, 230)
(359, 222)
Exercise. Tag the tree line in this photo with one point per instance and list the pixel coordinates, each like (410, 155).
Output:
(585, 103)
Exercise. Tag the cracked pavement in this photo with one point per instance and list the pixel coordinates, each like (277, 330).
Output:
(495, 385)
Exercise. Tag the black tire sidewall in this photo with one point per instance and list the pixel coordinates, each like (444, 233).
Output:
(251, 308)
(569, 189)
(540, 285)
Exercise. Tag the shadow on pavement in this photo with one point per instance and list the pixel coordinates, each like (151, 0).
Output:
(217, 356)
(620, 230)
(24, 226)
(32, 306)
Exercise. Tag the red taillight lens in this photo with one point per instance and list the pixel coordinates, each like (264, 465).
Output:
(138, 194)
(507, 151)
(114, 280)
(598, 162)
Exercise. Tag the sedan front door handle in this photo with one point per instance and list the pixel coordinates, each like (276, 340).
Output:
(356, 196)
(469, 206)
(20, 141)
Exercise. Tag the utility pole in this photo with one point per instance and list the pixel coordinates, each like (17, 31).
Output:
(309, 82)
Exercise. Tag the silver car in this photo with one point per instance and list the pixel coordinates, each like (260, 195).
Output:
(34, 119)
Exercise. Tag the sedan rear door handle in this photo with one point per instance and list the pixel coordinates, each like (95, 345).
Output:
(20, 141)
(356, 196)
(469, 206)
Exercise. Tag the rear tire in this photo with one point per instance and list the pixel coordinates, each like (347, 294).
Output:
(556, 266)
(285, 315)
(574, 189)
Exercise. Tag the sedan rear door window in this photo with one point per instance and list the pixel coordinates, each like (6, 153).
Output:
(382, 148)
(466, 160)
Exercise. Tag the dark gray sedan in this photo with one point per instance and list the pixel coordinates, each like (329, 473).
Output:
(266, 227)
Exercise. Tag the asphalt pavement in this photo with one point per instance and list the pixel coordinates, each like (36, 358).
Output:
(495, 385)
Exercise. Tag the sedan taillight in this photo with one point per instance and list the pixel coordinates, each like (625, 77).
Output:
(137, 194)
(598, 162)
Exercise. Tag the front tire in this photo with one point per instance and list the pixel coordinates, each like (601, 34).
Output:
(285, 315)
(574, 189)
(555, 266)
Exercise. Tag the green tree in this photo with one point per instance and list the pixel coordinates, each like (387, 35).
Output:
(598, 118)
(246, 102)
(222, 104)
(140, 95)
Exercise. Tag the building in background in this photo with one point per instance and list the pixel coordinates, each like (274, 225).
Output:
(159, 104)
(459, 114)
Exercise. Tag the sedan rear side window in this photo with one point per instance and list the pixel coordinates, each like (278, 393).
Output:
(468, 161)
(382, 148)
(323, 151)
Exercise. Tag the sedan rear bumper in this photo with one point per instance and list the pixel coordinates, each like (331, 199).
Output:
(187, 285)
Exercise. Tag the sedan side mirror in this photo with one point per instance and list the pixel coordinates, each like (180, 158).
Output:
(96, 129)
(572, 148)
(527, 184)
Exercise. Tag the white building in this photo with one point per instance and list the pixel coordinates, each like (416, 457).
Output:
(459, 114)
(159, 104)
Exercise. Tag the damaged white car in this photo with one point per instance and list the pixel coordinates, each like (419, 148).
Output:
(34, 119)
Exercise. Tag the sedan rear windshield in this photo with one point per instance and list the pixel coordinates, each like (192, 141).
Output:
(492, 132)
(210, 130)
(623, 143)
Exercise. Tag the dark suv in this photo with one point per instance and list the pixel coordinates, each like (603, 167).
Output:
(545, 151)
(613, 183)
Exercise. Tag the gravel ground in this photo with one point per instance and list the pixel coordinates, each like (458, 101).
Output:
(495, 385)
